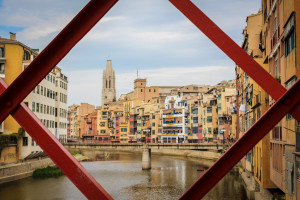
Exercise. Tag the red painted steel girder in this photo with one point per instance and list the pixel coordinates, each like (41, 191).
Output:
(287, 102)
(56, 151)
(52, 54)
(40, 67)
(220, 168)
(232, 50)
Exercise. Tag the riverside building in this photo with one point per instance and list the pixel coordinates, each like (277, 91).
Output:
(48, 100)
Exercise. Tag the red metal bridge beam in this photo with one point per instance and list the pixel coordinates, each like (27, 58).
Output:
(52, 54)
(224, 164)
(232, 50)
(56, 151)
(286, 102)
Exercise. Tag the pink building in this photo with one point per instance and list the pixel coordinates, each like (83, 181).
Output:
(90, 126)
(118, 121)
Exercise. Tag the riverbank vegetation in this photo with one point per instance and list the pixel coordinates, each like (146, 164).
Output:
(47, 172)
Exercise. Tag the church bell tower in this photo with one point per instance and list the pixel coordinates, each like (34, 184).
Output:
(108, 84)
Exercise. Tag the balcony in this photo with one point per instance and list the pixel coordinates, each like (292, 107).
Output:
(275, 38)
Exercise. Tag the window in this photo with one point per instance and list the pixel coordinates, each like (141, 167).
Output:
(141, 90)
(2, 69)
(153, 132)
(276, 67)
(209, 109)
(195, 119)
(33, 107)
(290, 43)
(209, 130)
(209, 119)
(32, 142)
(195, 130)
(1, 52)
(26, 55)
(25, 141)
(37, 107)
(42, 90)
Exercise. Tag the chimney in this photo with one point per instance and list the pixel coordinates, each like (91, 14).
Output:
(12, 36)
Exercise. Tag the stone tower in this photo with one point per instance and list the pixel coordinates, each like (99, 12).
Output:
(108, 84)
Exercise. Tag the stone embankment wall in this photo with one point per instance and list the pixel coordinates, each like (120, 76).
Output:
(11, 172)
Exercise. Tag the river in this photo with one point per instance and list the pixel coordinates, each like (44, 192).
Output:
(122, 177)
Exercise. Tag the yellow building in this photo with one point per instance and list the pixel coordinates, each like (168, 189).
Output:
(210, 120)
(261, 151)
(103, 120)
(124, 132)
(16, 56)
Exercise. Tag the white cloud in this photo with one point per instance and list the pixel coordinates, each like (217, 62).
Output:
(115, 18)
(133, 33)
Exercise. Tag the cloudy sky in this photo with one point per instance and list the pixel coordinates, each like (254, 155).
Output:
(149, 35)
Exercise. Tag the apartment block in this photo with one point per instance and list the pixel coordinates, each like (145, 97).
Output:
(48, 100)
(174, 120)
(77, 113)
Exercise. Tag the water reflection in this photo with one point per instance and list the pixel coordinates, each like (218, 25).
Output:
(121, 175)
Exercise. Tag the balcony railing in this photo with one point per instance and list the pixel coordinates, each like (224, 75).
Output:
(275, 37)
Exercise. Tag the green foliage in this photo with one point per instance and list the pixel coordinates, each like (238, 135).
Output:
(21, 133)
(47, 172)
(73, 153)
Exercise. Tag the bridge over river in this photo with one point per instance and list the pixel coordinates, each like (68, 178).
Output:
(203, 150)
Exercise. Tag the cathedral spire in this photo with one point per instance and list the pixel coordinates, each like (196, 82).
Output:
(108, 84)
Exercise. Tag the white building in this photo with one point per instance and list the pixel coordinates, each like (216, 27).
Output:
(48, 101)
(175, 120)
